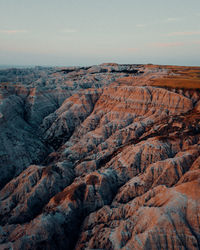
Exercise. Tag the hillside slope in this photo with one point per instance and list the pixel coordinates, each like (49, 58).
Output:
(101, 157)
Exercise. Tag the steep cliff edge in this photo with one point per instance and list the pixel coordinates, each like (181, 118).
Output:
(101, 157)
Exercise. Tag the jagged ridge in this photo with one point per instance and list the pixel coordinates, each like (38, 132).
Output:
(97, 158)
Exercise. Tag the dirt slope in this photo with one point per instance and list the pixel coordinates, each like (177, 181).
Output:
(101, 157)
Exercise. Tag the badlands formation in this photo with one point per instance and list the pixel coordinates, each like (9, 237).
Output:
(101, 157)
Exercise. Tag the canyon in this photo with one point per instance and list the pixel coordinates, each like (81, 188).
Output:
(100, 157)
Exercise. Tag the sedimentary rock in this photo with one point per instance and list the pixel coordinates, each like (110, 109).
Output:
(100, 157)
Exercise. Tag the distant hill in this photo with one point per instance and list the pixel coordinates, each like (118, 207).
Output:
(8, 66)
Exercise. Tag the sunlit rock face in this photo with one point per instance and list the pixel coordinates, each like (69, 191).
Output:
(100, 157)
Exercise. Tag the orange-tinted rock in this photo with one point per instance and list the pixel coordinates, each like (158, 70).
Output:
(101, 157)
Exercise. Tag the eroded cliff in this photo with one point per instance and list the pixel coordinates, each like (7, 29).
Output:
(101, 157)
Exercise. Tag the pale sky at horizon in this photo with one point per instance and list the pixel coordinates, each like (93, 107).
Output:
(86, 32)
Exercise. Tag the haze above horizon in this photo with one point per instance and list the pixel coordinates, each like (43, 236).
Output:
(91, 32)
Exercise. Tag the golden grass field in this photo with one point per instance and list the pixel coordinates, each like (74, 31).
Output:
(179, 77)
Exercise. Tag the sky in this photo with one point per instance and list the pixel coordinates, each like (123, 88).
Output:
(87, 32)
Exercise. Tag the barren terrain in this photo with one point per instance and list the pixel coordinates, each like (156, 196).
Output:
(100, 157)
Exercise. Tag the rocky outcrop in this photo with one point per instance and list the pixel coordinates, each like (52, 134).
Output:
(98, 158)
(24, 197)
(159, 219)
(20, 144)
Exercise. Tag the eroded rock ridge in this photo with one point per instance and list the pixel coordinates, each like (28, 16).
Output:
(99, 157)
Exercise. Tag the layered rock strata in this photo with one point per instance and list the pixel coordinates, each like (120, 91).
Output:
(98, 158)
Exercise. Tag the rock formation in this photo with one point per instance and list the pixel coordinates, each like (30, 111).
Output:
(101, 157)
